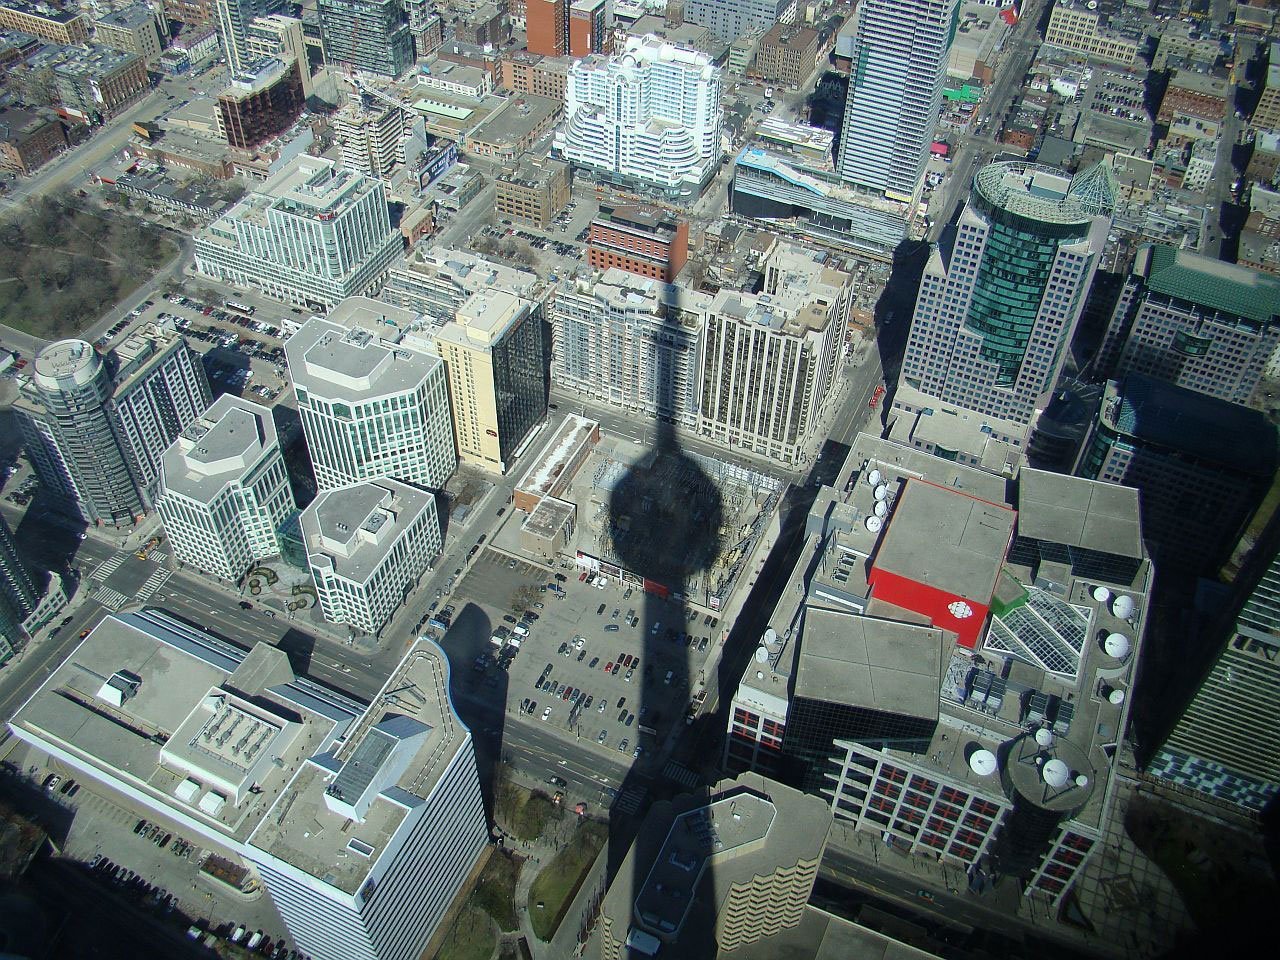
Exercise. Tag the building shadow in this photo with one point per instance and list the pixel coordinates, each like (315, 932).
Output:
(894, 309)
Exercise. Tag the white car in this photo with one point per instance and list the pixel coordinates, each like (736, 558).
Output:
(546, 712)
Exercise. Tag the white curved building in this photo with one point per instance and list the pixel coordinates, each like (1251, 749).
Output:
(648, 116)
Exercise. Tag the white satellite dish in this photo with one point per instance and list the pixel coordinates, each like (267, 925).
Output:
(1101, 594)
(1082, 781)
(762, 655)
(983, 763)
(1116, 697)
(1056, 773)
(759, 675)
(1123, 607)
(874, 523)
(1044, 737)
(882, 491)
(874, 479)
(770, 636)
(882, 509)
(1117, 645)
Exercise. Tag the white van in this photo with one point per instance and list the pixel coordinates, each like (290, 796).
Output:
(520, 631)
(670, 674)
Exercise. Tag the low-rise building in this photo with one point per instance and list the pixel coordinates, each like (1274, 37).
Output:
(1193, 94)
(189, 198)
(45, 21)
(645, 240)
(99, 82)
(29, 139)
(367, 544)
(1099, 32)
(512, 130)
(224, 490)
(455, 78)
(525, 72)
(534, 191)
(787, 54)
(132, 29)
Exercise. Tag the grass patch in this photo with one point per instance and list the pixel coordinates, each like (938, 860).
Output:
(495, 891)
(559, 880)
(525, 814)
(64, 264)
(472, 936)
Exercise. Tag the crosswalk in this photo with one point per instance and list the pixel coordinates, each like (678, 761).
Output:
(157, 556)
(152, 584)
(107, 567)
(109, 598)
(680, 774)
(630, 800)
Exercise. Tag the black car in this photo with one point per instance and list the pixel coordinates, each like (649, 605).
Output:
(600, 610)
(622, 715)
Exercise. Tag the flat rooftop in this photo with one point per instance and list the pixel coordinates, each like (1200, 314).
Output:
(522, 115)
(946, 539)
(220, 447)
(356, 354)
(352, 529)
(484, 319)
(548, 517)
(394, 756)
(1079, 512)
(145, 700)
(574, 431)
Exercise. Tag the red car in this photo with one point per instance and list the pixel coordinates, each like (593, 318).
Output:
(608, 667)
(875, 397)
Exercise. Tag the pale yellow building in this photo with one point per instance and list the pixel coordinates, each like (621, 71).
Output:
(496, 351)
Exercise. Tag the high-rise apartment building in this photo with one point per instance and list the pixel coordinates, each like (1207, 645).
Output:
(18, 595)
(589, 28)
(371, 135)
(260, 102)
(96, 427)
(643, 240)
(770, 360)
(280, 38)
(547, 27)
(314, 234)
(497, 351)
(224, 490)
(900, 50)
(730, 19)
(648, 117)
(1195, 321)
(1202, 465)
(993, 320)
(437, 281)
(1225, 744)
(367, 544)
(232, 18)
(363, 820)
(630, 341)
(372, 397)
(367, 36)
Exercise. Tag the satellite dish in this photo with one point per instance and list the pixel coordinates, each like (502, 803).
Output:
(1056, 773)
(874, 523)
(1123, 607)
(1116, 697)
(762, 655)
(1116, 645)
(882, 491)
(1101, 594)
(882, 509)
(1082, 781)
(759, 675)
(770, 636)
(983, 763)
(874, 479)
(1044, 737)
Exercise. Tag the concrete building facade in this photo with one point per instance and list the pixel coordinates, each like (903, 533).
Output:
(132, 29)
(730, 19)
(232, 19)
(368, 36)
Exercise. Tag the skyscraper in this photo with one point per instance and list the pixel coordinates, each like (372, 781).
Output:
(367, 36)
(547, 27)
(233, 18)
(994, 317)
(96, 427)
(648, 117)
(895, 93)
(18, 595)
(224, 490)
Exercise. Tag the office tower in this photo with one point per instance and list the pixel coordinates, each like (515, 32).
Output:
(371, 136)
(643, 240)
(1202, 464)
(1225, 743)
(437, 281)
(363, 820)
(367, 544)
(648, 117)
(589, 28)
(994, 318)
(233, 18)
(547, 27)
(96, 427)
(748, 853)
(367, 36)
(281, 38)
(18, 595)
(631, 342)
(498, 354)
(770, 360)
(900, 52)
(373, 402)
(260, 103)
(1195, 321)
(931, 596)
(314, 234)
(730, 19)
(224, 490)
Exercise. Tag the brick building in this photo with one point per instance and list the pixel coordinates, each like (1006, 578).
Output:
(643, 240)
(547, 27)
(1194, 95)
(526, 72)
(29, 139)
(787, 54)
(588, 28)
(535, 191)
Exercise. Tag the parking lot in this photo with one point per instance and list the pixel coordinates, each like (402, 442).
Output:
(581, 667)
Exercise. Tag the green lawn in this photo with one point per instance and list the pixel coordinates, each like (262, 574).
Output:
(559, 880)
(472, 936)
(495, 891)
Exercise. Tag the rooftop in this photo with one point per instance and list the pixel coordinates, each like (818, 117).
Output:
(355, 356)
(338, 818)
(43, 10)
(256, 77)
(548, 517)
(349, 531)
(573, 433)
(534, 173)
(521, 116)
(221, 447)
(1079, 512)
(1176, 418)
(1228, 287)
(484, 319)
(130, 17)
(1045, 193)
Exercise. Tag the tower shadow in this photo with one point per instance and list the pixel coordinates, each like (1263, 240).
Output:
(664, 522)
